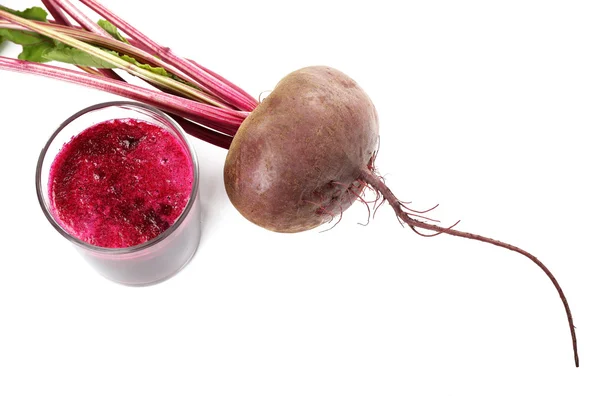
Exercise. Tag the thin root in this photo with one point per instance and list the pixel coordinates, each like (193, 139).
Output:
(423, 217)
(322, 210)
(365, 203)
(377, 207)
(377, 183)
(338, 221)
(419, 212)
(445, 230)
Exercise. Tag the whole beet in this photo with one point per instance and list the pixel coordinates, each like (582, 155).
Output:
(296, 160)
(306, 154)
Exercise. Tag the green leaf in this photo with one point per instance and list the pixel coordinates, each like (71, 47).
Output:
(111, 30)
(34, 44)
(33, 13)
(71, 55)
(37, 48)
(156, 70)
(23, 38)
(37, 52)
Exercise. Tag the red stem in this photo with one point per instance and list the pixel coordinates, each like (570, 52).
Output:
(80, 17)
(370, 178)
(55, 9)
(120, 47)
(58, 14)
(225, 81)
(206, 81)
(203, 133)
(190, 109)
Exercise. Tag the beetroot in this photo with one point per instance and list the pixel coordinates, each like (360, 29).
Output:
(296, 160)
(307, 152)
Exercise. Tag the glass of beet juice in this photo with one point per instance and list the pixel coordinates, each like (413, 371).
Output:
(120, 181)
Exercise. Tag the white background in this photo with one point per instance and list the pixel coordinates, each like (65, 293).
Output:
(489, 108)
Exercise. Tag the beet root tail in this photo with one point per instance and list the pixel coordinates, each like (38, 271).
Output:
(375, 182)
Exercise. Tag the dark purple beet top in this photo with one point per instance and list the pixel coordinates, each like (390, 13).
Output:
(120, 183)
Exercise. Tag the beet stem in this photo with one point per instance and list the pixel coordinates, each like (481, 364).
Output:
(370, 178)
(112, 59)
(225, 121)
(61, 19)
(79, 16)
(208, 82)
(59, 15)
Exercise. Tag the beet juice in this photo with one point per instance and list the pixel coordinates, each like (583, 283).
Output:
(120, 183)
(119, 180)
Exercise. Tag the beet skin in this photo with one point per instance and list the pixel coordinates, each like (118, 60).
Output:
(296, 160)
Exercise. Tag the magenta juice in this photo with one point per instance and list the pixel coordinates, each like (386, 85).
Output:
(120, 183)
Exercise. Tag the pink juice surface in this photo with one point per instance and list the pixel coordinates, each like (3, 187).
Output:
(120, 183)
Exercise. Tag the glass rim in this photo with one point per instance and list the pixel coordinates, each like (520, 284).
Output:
(117, 250)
